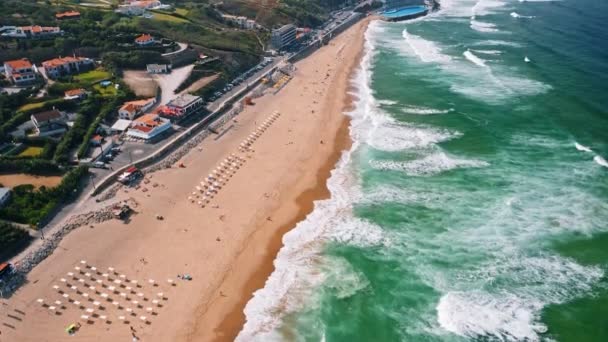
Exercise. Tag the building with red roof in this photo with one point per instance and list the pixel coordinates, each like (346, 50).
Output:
(132, 109)
(144, 39)
(63, 66)
(35, 31)
(148, 126)
(75, 94)
(21, 72)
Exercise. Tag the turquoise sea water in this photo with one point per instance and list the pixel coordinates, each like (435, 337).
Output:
(473, 205)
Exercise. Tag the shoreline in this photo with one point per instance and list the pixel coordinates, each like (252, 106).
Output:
(232, 323)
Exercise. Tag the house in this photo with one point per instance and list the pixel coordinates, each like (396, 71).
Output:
(63, 66)
(148, 126)
(242, 22)
(181, 106)
(139, 7)
(68, 15)
(21, 72)
(75, 94)
(36, 31)
(130, 110)
(157, 68)
(97, 140)
(144, 40)
(5, 195)
(121, 125)
(283, 36)
(49, 123)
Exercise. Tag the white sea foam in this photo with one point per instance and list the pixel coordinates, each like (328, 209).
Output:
(474, 314)
(483, 26)
(494, 84)
(474, 59)
(392, 136)
(517, 15)
(488, 52)
(494, 42)
(299, 265)
(513, 314)
(582, 147)
(387, 102)
(600, 161)
(426, 50)
(419, 110)
(428, 165)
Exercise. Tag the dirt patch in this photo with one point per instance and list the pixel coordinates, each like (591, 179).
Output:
(140, 82)
(13, 180)
(200, 83)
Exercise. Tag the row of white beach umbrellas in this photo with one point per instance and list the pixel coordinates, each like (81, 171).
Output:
(211, 185)
(246, 144)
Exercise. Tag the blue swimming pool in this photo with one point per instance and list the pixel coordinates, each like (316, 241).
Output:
(405, 13)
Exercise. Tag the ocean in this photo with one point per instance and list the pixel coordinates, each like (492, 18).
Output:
(473, 205)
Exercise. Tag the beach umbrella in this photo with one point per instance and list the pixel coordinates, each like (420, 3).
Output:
(200, 203)
(93, 268)
(111, 288)
(74, 288)
(198, 188)
(76, 303)
(55, 287)
(154, 301)
(123, 276)
(121, 318)
(105, 275)
(99, 281)
(65, 295)
(85, 317)
(135, 302)
(40, 300)
(96, 303)
(160, 294)
(51, 308)
(143, 318)
(129, 310)
(89, 310)
(88, 274)
(149, 309)
(115, 303)
(83, 262)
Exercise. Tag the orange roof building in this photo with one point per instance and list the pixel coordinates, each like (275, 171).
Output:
(75, 94)
(67, 15)
(144, 39)
(148, 126)
(132, 109)
(63, 66)
(21, 72)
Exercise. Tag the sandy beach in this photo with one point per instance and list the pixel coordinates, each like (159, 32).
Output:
(227, 247)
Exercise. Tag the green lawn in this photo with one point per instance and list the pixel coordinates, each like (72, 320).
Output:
(168, 17)
(31, 151)
(108, 91)
(30, 106)
(92, 76)
(182, 11)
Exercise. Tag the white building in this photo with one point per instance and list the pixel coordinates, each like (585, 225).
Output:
(35, 31)
(130, 110)
(182, 106)
(157, 68)
(63, 66)
(283, 36)
(139, 7)
(21, 72)
(242, 22)
(49, 123)
(148, 126)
